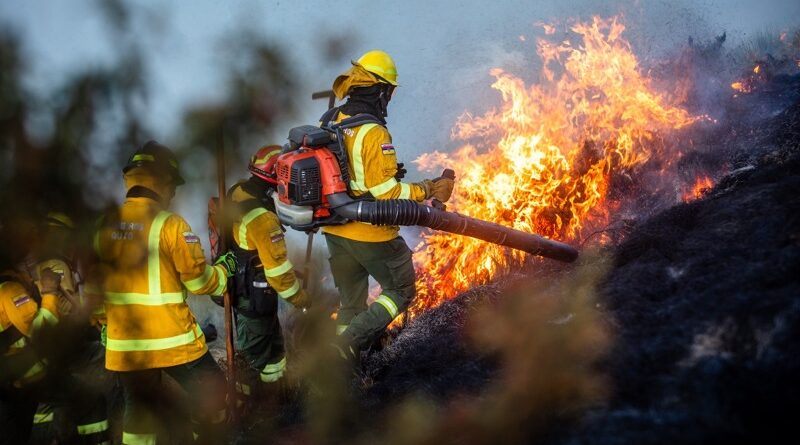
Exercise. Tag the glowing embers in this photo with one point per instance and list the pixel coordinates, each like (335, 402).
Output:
(701, 186)
(751, 81)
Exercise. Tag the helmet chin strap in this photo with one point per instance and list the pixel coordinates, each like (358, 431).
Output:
(258, 187)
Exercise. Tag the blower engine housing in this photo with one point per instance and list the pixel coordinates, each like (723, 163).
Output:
(306, 174)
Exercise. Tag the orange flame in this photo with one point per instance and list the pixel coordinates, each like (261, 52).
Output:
(741, 87)
(542, 162)
(749, 83)
(701, 185)
(548, 29)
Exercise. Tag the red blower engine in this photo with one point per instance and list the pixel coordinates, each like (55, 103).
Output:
(313, 191)
(308, 173)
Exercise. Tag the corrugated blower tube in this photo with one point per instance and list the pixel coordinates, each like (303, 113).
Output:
(405, 212)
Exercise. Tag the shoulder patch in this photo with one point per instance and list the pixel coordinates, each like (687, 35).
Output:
(276, 235)
(387, 149)
(191, 238)
(22, 299)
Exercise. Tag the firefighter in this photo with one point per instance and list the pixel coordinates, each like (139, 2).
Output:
(55, 253)
(150, 258)
(358, 250)
(29, 321)
(265, 274)
(81, 351)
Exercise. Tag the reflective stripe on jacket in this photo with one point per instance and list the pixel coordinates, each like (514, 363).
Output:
(151, 257)
(260, 230)
(19, 310)
(373, 165)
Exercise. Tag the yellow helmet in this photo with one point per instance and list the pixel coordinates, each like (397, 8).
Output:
(380, 64)
(58, 219)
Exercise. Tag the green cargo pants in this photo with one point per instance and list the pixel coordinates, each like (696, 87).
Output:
(352, 263)
(261, 343)
(146, 403)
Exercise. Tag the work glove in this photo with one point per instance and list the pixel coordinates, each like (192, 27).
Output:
(401, 171)
(440, 188)
(50, 281)
(103, 335)
(228, 261)
(300, 300)
(426, 185)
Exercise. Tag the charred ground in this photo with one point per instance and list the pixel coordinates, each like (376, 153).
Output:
(702, 299)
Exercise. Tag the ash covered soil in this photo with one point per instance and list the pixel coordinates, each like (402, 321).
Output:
(703, 297)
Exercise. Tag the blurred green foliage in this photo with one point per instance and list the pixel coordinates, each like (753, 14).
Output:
(62, 147)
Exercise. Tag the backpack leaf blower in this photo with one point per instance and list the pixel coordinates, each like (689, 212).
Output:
(313, 191)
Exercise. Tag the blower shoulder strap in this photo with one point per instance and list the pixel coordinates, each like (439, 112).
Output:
(328, 117)
(250, 204)
(327, 120)
(358, 120)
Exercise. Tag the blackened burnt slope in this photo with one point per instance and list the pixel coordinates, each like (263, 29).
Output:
(430, 356)
(706, 297)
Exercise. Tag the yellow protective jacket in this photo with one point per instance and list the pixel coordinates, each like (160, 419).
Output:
(373, 165)
(150, 257)
(261, 230)
(19, 311)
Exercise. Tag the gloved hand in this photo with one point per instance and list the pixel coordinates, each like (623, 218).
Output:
(228, 261)
(440, 188)
(426, 185)
(50, 281)
(103, 334)
(300, 300)
(401, 171)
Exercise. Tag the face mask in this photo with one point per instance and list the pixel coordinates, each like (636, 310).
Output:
(385, 96)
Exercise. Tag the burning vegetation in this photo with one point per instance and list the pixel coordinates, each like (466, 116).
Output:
(700, 300)
(702, 185)
(545, 160)
(781, 57)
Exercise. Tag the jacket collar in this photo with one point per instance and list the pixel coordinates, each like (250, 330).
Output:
(139, 191)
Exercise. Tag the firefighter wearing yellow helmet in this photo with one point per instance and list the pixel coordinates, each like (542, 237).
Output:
(55, 252)
(264, 276)
(150, 259)
(360, 250)
(30, 357)
(84, 353)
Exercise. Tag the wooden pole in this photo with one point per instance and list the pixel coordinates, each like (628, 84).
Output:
(223, 248)
(325, 94)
